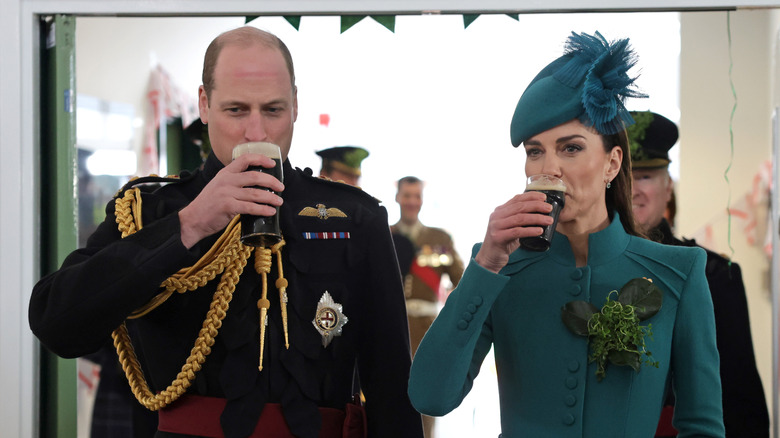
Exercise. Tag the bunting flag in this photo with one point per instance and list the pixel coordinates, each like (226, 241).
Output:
(295, 20)
(388, 21)
(468, 19)
(347, 21)
(165, 101)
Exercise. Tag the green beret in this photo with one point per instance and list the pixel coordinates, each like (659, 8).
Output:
(589, 82)
(346, 159)
(650, 140)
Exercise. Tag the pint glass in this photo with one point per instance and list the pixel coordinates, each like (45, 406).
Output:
(555, 190)
(261, 230)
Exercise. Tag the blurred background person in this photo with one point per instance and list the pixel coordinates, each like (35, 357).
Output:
(342, 163)
(744, 405)
(434, 256)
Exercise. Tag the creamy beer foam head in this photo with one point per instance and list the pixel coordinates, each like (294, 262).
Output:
(270, 150)
(545, 182)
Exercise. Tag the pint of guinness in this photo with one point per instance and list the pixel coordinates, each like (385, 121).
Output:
(261, 230)
(555, 190)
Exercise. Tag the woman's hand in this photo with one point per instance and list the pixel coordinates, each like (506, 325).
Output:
(524, 215)
(228, 194)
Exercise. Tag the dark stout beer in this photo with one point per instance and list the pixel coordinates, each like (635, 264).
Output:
(555, 190)
(261, 230)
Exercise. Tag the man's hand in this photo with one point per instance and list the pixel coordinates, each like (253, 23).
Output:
(228, 194)
(522, 216)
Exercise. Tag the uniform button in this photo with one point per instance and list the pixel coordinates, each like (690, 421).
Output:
(471, 308)
(571, 382)
(477, 301)
(574, 366)
(463, 325)
(568, 419)
(576, 275)
(467, 316)
(570, 400)
(576, 290)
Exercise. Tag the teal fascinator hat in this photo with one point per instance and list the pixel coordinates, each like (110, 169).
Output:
(589, 82)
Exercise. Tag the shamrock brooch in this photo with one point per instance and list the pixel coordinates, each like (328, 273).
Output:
(614, 333)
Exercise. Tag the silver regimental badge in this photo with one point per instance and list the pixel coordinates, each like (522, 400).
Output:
(330, 318)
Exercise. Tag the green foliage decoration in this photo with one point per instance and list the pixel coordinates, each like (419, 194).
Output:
(614, 333)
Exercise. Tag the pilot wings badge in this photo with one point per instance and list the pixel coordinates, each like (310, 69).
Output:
(329, 319)
(321, 212)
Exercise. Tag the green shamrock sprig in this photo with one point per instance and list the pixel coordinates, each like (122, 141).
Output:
(614, 333)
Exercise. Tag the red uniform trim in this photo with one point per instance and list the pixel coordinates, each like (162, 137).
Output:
(428, 275)
(665, 428)
(199, 415)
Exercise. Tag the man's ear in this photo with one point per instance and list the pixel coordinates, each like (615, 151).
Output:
(203, 105)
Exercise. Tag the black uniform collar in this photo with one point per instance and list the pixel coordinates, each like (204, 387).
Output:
(212, 166)
(663, 234)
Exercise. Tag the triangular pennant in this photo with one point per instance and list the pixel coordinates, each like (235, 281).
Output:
(515, 16)
(294, 20)
(249, 18)
(348, 21)
(387, 21)
(468, 19)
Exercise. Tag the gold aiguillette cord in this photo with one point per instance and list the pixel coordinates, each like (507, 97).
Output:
(263, 267)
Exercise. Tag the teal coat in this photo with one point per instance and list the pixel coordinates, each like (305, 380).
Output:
(547, 387)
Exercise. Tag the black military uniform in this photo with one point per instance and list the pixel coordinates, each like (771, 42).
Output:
(744, 405)
(344, 249)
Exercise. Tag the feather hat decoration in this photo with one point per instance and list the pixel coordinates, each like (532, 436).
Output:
(589, 82)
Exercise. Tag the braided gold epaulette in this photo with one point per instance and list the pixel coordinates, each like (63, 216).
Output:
(228, 257)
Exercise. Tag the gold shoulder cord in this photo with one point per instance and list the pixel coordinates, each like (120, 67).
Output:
(228, 257)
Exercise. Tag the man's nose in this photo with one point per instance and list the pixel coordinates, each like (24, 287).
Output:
(255, 128)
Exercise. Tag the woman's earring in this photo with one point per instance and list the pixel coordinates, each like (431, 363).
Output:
(609, 184)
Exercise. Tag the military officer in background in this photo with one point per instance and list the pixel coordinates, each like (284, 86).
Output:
(227, 340)
(342, 163)
(434, 256)
(744, 405)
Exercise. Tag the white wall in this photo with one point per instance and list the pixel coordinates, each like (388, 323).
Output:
(706, 102)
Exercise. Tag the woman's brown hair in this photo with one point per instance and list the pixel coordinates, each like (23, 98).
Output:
(619, 195)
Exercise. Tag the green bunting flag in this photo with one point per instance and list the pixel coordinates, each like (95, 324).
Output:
(387, 21)
(348, 21)
(468, 19)
(294, 20)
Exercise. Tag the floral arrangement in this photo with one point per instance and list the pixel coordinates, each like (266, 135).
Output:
(614, 333)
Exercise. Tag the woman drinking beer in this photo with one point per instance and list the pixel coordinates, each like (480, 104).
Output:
(587, 333)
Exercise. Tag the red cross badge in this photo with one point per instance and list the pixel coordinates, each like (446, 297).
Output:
(329, 319)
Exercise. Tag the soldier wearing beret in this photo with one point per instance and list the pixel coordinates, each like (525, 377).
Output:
(227, 340)
(342, 163)
(744, 405)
